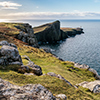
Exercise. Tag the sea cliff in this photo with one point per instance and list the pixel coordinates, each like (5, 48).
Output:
(28, 72)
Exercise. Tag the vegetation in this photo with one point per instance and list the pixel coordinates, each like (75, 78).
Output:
(49, 63)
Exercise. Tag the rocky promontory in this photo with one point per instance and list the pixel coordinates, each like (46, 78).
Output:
(52, 32)
(28, 73)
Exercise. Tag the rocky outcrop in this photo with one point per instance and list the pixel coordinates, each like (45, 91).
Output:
(37, 70)
(61, 96)
(48, 33)
(93, 86)
(59, 76)
(27, 35)
(9, 91)
(69, 32)
(9, 54)
(51, 32)
(83, 66)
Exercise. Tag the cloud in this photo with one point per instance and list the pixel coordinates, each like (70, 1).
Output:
(52, 15)
(9, 5)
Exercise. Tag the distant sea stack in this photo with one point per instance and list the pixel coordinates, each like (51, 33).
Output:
(51, 32)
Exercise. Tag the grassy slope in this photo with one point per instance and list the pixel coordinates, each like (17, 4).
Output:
(50, 64)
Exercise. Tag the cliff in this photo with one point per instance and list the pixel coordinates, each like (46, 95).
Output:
(52, 32)
(57, 76)
(48, 32)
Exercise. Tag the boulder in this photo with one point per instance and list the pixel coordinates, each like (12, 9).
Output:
(83, 66)
(95, 73)
(93, 86)
(61, 96)
(35, 68)
(6, 43)
(27, 92)
(9, 55)
(48, 33)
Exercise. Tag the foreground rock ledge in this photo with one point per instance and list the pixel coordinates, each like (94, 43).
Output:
(93, 86)
(9, 91)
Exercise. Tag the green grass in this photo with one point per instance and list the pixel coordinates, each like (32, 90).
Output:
(49, 63)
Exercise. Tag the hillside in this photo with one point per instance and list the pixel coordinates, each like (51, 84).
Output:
(48, 63)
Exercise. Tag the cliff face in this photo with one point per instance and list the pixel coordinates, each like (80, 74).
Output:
(52, 32)
(71, 31)
(48, 33)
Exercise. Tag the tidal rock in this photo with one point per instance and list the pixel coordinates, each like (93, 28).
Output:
(27, 92)
(59, 76)
(93, 86)
(61, 96)
(36, 69)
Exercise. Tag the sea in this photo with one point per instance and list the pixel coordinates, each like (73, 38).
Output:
(83, 49)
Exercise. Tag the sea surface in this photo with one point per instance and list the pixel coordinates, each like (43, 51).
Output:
(84, 48)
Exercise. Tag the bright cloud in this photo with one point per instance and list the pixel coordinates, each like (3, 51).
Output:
(9, 5)
(52, 15)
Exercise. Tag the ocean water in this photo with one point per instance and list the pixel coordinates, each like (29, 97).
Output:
(84, 48)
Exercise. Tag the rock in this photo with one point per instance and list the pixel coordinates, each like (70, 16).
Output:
(9, 55)
(27, 35)
(29, 74)
(48, 33)
(27, 92)
(15, 63)
(36, 69)
(93, 86)
(26, 57)
(69, 32)
(95, 73)
(83, 66)
(6, 43)
(59, 76)
(10, 52)
(62, 96)
(47, 50)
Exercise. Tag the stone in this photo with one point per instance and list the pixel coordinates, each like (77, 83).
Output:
(95, 73)
(27, 92)
(26, 57)
(83, 66)
(59, 76)
(62, 96)
(4, 43)
(9, 55)
(36, 69)
(10, 52)
(29, 74)
(16, 63)
(93, 86)
(26, 34)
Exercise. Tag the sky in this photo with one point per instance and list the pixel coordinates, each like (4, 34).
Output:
(49, 9)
